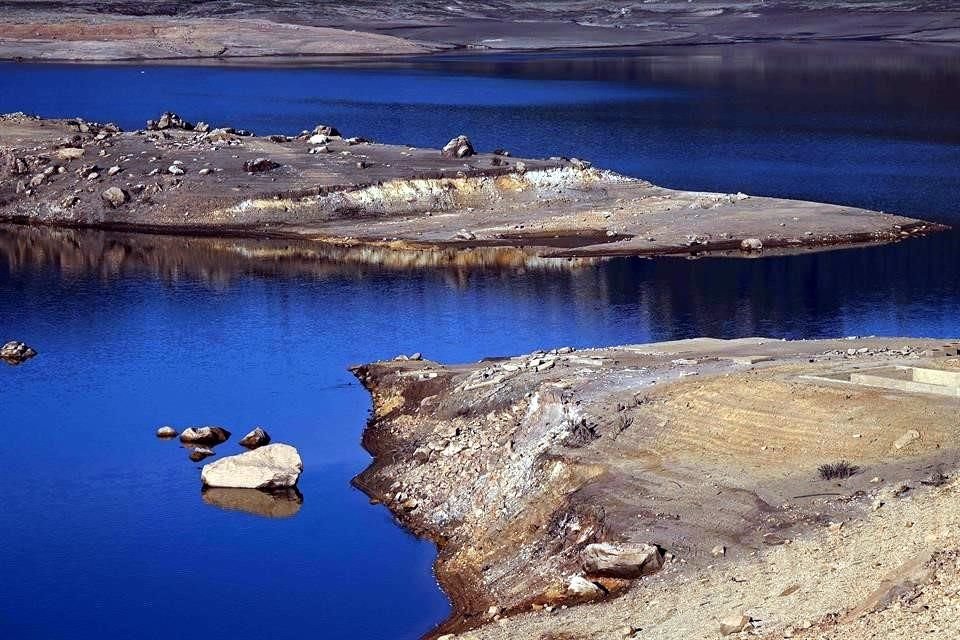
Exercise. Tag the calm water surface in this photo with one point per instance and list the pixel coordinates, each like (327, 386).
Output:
(104, 530)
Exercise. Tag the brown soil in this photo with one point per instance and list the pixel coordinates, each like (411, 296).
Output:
(688, 445)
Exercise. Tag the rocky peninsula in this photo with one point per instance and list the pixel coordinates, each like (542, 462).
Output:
(334, 190)
(681, 489)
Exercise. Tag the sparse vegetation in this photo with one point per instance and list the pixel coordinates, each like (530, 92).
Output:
(837, 470)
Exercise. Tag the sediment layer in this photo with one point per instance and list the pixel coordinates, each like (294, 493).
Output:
(514, 465)
(349, 192)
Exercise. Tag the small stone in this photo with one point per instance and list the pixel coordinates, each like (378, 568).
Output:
(624, 560)
(259, 165)
(580, 586)
(493, 611)
(115, 197)
(256, 438)
(204, 435)
(735, 623)
(166, 432)
(114, 170)
(718, 551)
(16, 352)
(907, 438)
(751, 244)
(199, 453)
(175, 169)
(205, 171)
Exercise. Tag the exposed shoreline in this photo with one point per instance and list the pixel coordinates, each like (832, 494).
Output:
(353, 193)
(488, 459)
(115, 31)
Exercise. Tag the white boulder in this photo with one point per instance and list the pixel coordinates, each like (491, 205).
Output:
(274, 466)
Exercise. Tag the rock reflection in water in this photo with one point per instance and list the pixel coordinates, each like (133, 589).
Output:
(219, 260)
(276, 504)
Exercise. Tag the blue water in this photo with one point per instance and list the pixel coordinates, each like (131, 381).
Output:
(103, 527)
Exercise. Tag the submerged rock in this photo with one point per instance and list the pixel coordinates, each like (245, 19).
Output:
(459, 147)
(284, 503)
(15, 352)
(274, 466)
(166, 432)
(204, 435)
(622, 560)
(256, 438)
(199, 453)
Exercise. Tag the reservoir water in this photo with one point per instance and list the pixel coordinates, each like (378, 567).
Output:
(105, 533)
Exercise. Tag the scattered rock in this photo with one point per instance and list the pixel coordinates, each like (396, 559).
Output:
(259, 165)
(735, 623)
(718, 551)
(199, 453)
(204, 435)
(273, 466)
(459, 147)
(907, 439)
(114, 170)
(176, 170)
(580, 586)
(15, 352)
(751, 244)
(326, 130)
(115, 197)
(622, 560)
(256, 438)
(166, 432)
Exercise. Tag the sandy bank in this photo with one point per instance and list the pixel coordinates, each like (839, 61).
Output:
(708, 449)
(353, 193)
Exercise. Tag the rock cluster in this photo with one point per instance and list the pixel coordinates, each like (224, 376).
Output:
(15, 352)
(169, 120)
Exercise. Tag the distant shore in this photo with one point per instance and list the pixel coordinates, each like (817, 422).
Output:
(286, 33)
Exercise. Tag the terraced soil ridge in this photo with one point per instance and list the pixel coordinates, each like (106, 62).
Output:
(350, 192)
(707, 450)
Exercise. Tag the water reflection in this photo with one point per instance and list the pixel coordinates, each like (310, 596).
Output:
(217, 261)
(275, 504)
(910, 288)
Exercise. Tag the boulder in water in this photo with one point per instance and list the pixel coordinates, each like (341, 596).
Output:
(204, 435)
(256, 438)
(16, 352)
(166, 432)
(199, 453)
(274, 466)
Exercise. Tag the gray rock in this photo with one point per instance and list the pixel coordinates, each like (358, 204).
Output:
(274, 466)
(325, 130)
(459, 147)
(580, 586)
(735, 623)
(621, 560)
(751, 244)
(256, 438)
(166, 432)
(15, 352)
(204, 435)
(115, 197)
